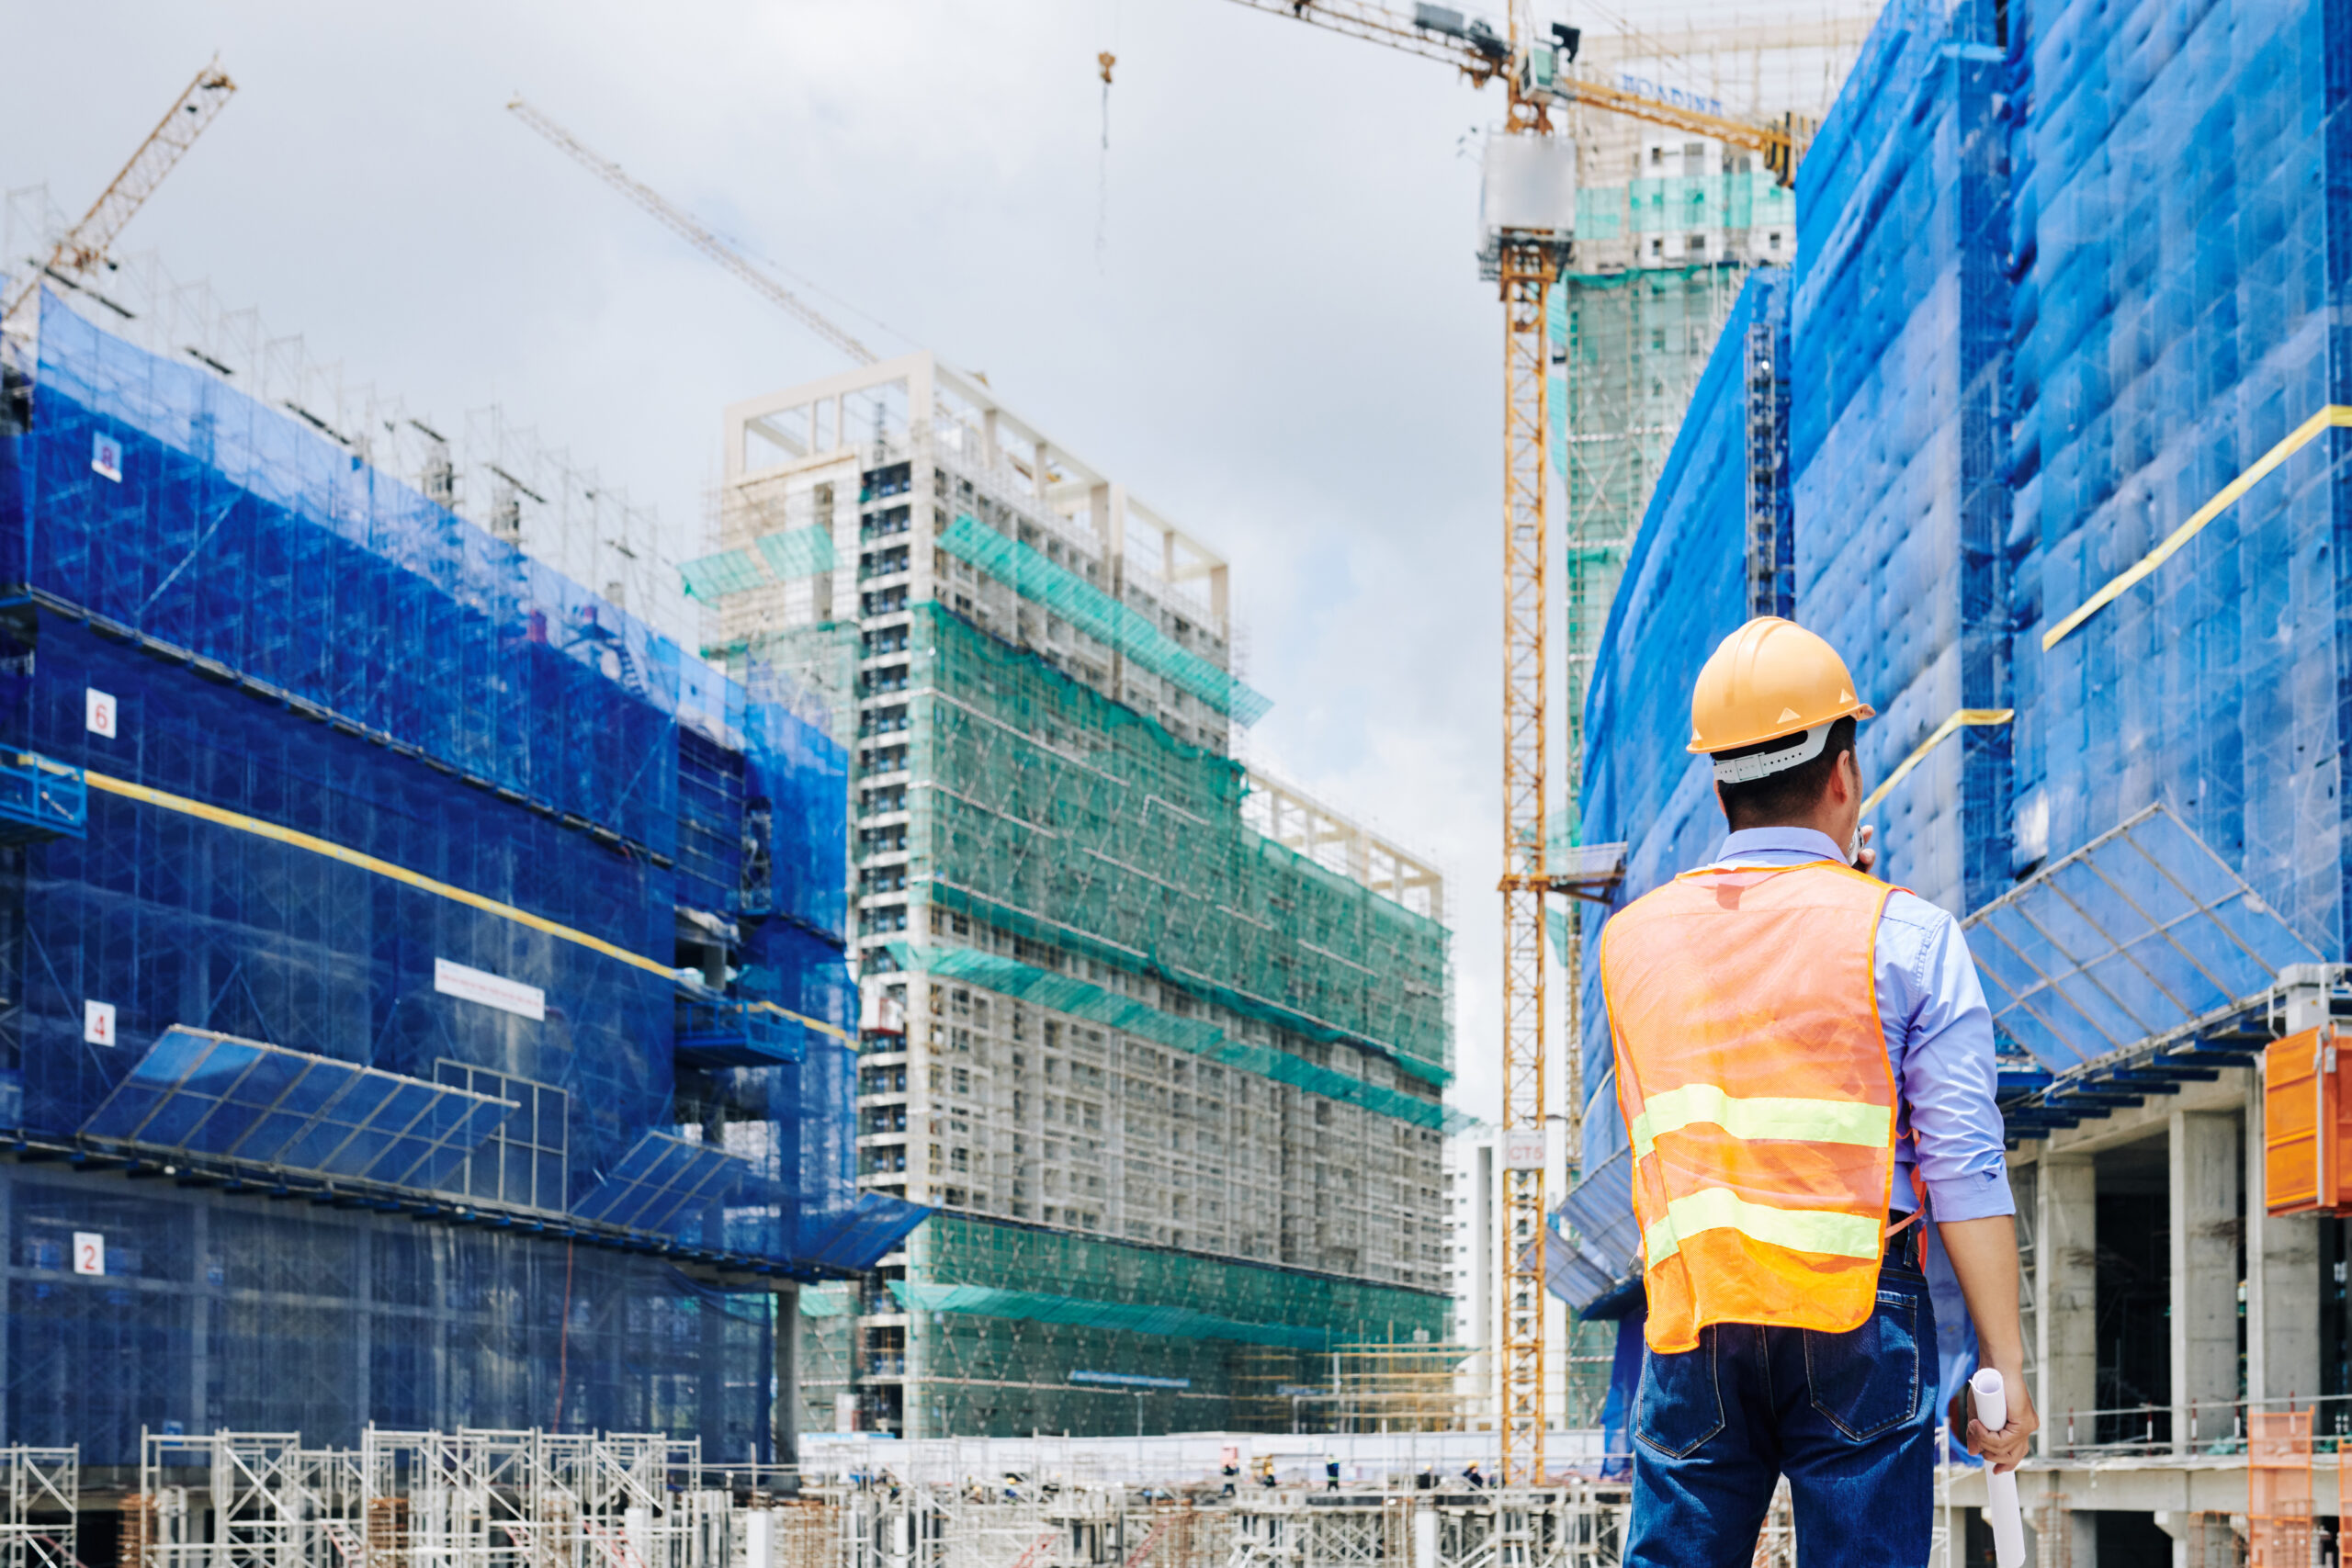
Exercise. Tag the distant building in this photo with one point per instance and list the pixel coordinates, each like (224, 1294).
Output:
(1162, 1039)
(1471, 1186)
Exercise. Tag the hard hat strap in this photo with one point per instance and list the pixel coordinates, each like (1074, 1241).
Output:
(1763, 764)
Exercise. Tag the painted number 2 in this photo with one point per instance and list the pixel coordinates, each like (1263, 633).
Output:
(89, 1253)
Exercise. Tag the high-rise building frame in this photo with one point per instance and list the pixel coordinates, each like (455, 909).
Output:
(1161, 1037)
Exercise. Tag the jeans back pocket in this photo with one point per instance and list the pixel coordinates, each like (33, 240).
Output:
(1866, 1381)
(1680, 1405)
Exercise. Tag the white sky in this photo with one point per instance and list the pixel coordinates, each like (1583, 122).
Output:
(1281, 343)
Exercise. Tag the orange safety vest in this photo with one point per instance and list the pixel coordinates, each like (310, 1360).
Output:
(1753, 1077)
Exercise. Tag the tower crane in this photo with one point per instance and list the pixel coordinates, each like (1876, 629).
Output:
(86, 244)
(685, 228)
(1537, 73)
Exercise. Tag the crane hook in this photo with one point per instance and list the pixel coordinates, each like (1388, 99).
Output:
(1106, 60)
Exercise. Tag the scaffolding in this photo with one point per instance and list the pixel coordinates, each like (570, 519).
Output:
(1075, 822)
(500, 476)
(536, 1499)
(1011, 1329)
(1132, 1019)
(2005, 469)
(362, 765)
(1578, 1526)
(40, 1509)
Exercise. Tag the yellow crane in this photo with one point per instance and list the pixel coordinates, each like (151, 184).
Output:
(1537, 73)
(86, 244)
(678, 222)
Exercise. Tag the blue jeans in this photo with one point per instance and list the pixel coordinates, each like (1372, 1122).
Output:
(1847, 1417)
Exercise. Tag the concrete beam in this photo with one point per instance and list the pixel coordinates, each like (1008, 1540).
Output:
(2132, 1122)
(2199, 1483)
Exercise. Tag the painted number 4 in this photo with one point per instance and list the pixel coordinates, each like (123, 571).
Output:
(89, 1253)
(98, 1022)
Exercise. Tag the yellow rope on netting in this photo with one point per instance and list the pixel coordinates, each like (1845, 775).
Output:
(296, 839)
(2333, 416)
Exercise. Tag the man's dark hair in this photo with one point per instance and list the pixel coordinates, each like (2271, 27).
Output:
(1791, 792)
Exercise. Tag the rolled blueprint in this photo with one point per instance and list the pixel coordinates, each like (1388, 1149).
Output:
(2000, 1491)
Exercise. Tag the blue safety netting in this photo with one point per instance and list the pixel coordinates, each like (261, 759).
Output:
(287, 642)
(392, 614)
(295, 1317)
(2067, 288)
(1684, 589)
(2181, 220)
(199, 1093)
(1899, 329)
(2137, 936)
(2024, 361)
(2020, 365)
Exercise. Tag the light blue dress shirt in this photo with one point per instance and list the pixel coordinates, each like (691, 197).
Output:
(1938, 1040)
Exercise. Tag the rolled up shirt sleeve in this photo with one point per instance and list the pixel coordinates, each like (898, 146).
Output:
(1950, 1079)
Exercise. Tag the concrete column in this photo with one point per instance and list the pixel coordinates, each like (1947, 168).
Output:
(785, 1430)
(2065, 1289)
(2206, 1221)
(2282, 1286)
(2179, 1526)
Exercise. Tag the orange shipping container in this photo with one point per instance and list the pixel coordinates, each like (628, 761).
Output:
(2306, 1147)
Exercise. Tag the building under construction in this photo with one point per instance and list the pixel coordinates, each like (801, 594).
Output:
(1163, 1040)
(2064, 443)
(425, 993)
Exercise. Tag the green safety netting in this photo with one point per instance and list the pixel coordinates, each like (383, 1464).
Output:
(803, 552)
(826, 1301)
(1011, 977)
(728, 571)
(1134, 1317)
(996, 1356)
(1201, 1038)
(1102, 617)
(1049, 810)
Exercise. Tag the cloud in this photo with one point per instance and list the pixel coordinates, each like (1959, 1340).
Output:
(1259, 308)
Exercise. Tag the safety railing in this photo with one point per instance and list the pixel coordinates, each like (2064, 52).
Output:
(2207, 1429)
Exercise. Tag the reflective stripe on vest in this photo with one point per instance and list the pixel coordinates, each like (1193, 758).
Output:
(1761, 1116)
(1753, 1077)
(1840, 1235)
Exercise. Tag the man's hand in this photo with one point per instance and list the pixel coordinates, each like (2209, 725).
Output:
(1983, 1255)
(1866, 857)
(2004, 1450)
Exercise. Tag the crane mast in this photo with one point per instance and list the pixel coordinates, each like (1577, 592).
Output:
(1526, 266)
(1536, 75)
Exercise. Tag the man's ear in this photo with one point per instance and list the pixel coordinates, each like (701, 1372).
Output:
(1850, 776)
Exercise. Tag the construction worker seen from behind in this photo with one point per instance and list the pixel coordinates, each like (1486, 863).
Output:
(1804, 1058)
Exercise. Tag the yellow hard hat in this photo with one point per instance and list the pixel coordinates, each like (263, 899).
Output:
(1770, 679)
